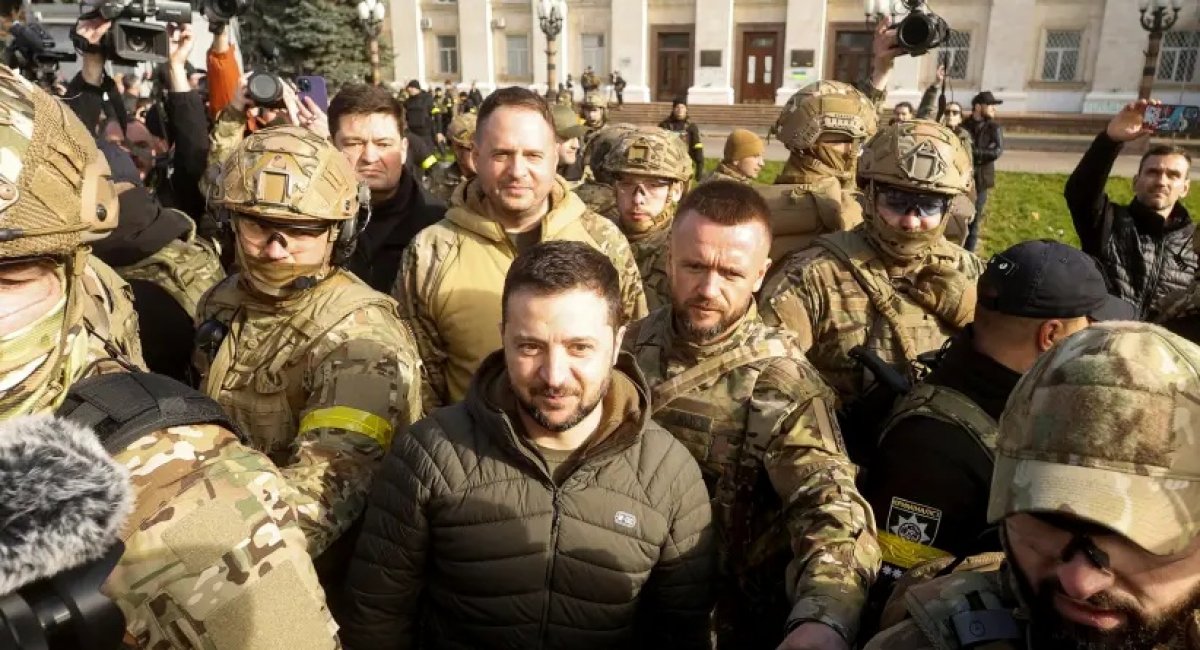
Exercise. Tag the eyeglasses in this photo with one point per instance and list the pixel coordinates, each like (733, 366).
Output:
(953, 112)
(259, 232)
(925, 205)
(647, 186)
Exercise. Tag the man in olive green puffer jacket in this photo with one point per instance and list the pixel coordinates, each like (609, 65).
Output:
(546, 510)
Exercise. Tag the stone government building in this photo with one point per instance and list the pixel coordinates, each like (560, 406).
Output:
(1071, 56)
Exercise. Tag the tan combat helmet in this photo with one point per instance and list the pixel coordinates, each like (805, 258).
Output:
(918, 155)
(825, 107)
(597, 148)
(652, 152)
(594, 100)
(56, 191)
(290, 175)
(462, 129)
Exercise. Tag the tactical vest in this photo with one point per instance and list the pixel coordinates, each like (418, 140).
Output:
(801, 213)
(650, 252)
(897, 328)
(185, 269)
(954, 604)
(258, 372)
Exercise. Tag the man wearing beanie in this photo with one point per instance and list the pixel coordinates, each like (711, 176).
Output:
(1096, 493)
(682, 125)
(743, 158)
(928, 483)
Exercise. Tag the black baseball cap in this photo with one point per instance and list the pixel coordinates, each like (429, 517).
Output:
(986, 97)
(1048, 279)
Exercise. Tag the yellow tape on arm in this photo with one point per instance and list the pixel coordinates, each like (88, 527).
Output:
(429, 162)
(348, 419)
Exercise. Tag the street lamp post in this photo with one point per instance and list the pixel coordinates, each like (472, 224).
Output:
(370, 16)
(550, 19)
(1157, 21)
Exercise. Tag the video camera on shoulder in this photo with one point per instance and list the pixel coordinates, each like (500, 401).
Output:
(33, 51)
(921, 30)
(132, 39)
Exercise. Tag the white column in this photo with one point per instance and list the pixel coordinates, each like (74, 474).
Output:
(476, 56)
(408, 41)
(714, 31)
(1011, 45)
(1119, 60)
(805, 31)
(630, 47)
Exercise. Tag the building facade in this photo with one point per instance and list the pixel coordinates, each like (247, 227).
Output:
(1037, 55)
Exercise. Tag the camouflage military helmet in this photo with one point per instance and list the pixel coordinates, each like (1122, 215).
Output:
(825, 107)
(651, 153)
(1106, 428)
(594, 100)
(462, 129)
(600, 144)
(56, 191)
(288, 173)
(919, 155)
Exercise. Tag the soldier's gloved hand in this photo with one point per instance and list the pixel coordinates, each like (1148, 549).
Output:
(813, 636)
(947, 292)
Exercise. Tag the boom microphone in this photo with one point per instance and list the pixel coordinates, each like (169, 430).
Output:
(63, 503)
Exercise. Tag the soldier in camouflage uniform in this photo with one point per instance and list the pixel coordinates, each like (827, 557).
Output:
(314, 366)
(445, 176)
(823, 126)
(594, 111)
(651, 170)
(893, 284)
(214, 557)
(185, 268)
(596, 190)
(452, 273)
(798, 541)
(1098, 502)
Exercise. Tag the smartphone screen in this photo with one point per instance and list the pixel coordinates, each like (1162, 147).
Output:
(1173, 118)
(314, 88)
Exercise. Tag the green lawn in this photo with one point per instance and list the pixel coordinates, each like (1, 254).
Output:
(1023, 206)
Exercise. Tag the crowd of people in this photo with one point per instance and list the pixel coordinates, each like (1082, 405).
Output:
(567, 390)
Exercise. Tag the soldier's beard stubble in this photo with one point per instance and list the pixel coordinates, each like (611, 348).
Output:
(700, 334)
(1049, 630)
(587, 404)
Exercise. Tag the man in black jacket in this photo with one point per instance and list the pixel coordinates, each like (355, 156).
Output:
(682, 125)
(367, 125)
(929, 483)
(988, 139)
(419, 118)
(1145, 247)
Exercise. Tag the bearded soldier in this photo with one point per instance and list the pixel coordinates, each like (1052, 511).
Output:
(315, 366)
(214, 557)
(651, 170)
(594, 111)
(823, 127)
(893, 284)
(798, 545)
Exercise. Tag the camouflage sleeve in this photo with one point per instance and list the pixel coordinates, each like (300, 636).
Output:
(214, 555)
(835, 553)
(227, 134)
(110, 311)
(363, 389)
(410, 289)
(613, 244)
(788, 301)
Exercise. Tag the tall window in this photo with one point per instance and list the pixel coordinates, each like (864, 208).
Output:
(1061, 60)
(447, 54)
(517, 52)
(957, 51)
(593, 53)
(1177, 60)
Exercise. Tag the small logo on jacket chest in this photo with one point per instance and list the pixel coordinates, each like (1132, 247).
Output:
(625, 519)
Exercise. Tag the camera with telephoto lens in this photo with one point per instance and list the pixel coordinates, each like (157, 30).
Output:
(32, 50)
(220, 12)
(921, 30)
(264, 86)
(131, 38)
